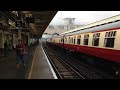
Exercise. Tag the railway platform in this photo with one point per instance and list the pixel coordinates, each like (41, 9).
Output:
(38, 67)
(41, 67)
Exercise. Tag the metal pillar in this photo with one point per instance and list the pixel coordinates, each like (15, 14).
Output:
(3, 38)
(14, 41)
(28, 38)
(19, 33)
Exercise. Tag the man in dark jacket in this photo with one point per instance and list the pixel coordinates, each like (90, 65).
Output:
(5, 48)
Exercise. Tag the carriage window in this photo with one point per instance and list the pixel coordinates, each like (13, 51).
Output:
(58, 40)
(96, 39)
(65, 40)
(74, 39)
(114, 33)
(86, 38)
(78, 39)
(71, 40)
(61, 39)
(109, 39)
(68, 40)
(109, 42)
(109, 34)
(106, 34)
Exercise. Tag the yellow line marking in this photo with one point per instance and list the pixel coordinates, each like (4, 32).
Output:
(29, 77)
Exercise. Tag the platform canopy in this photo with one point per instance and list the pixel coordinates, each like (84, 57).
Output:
(42, 20)
(35, 22)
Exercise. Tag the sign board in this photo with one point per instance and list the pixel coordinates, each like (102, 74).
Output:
(30, 20)
(18, 23)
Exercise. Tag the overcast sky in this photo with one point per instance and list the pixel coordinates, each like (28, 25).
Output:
(82, 17)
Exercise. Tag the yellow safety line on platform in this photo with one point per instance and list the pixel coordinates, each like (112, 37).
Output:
(29, 77)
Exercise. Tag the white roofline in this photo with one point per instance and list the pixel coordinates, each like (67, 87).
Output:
(110, 19)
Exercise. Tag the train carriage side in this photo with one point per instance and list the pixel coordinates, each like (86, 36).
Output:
(100, 44)
(99, 41)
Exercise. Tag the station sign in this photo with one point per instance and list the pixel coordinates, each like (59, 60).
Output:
(18, 23)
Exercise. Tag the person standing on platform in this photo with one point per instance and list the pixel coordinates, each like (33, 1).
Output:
(20, 51)
(5, 48)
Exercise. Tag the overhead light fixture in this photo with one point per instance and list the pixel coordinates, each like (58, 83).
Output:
(13, 11)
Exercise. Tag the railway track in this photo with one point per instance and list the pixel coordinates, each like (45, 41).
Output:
(62, 69)
(85, 70)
